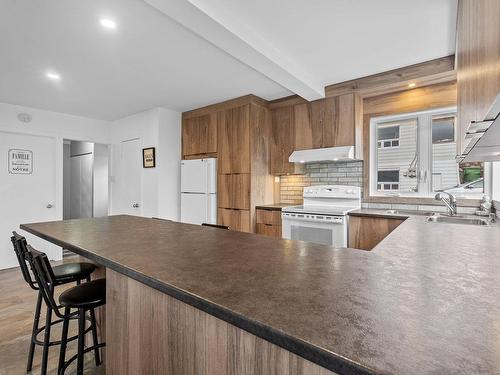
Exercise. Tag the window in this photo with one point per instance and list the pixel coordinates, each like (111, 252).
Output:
(414, 155)
(443, 130)
(387, 180)
(388, 136)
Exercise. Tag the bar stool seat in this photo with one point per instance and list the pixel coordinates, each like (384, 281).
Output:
(88, 295)
(73, 271)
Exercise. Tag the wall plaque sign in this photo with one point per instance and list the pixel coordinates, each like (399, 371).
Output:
(148, 157)
(20, 161)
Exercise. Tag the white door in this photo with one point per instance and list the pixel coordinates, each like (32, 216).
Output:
(27, 194)
(130, 177)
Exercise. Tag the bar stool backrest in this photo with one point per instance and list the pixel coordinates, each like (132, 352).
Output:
(215, 226)
(20, 248)
(44, 276)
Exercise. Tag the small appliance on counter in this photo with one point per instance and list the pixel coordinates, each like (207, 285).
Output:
(323, 216)
(199, 191)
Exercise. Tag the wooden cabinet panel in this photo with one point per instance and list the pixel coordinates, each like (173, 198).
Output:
(199, 135)
(233, 191)
(308, 125)
(478, 60)
(238, 220)
(268, 222)
(272, 217)
(240, 151)
(338, 124)
(282, 141)
(234, 140)
(268, 230)
(327, 122)
(190, 137)
(366, 232)
(302, 124)
(208, 133)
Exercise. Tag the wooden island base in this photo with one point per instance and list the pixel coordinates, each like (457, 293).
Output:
(149, 332)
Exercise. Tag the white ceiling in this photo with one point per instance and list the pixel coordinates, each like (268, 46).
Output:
(186, 54)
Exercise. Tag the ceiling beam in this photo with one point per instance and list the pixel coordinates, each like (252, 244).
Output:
(235, 38)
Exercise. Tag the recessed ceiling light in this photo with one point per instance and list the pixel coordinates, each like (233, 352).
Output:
(53, 76)
(411, 85)
(107, 23)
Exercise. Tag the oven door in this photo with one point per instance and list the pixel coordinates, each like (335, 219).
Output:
(322, 229)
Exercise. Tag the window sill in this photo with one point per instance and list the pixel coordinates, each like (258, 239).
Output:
(419, 201)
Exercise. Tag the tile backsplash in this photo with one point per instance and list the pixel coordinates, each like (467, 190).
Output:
(343, 173)
(332, 173)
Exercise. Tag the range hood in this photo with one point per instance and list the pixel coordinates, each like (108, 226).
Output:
(483, 137)
(343, 153)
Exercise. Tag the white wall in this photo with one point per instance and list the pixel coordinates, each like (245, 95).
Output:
(496, 181)
(158, 127)
(59, 126)
(160, 190)
(169, 160)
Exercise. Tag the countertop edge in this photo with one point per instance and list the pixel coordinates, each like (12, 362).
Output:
(306, 350)
(379, 214)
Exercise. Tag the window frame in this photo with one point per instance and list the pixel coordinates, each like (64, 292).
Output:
(381, 143)
(424, 148)
(388, 182)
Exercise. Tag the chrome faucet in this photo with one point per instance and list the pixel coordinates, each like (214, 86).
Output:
(450, 202)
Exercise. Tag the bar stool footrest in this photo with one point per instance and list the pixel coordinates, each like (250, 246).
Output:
(68, 362)
(39, 342)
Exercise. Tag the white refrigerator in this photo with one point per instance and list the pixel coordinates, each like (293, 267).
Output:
(199, 191)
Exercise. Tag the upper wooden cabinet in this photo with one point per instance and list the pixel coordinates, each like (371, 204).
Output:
(323, 123)
(477, 60)
(308, 124)
(282, 141)
(199, 135)
(328, 123)
(234, 140)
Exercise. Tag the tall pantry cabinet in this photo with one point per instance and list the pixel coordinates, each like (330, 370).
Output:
(243, 180)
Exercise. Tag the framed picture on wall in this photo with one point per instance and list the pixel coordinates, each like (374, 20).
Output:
(148, 157)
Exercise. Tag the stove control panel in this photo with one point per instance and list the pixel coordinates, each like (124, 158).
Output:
(313, 217)
(332, 191)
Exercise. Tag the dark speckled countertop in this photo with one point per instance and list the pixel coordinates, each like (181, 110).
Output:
(275, 206)
(426, 300)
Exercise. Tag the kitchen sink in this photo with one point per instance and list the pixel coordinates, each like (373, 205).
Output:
(407, 212)
(457, 220)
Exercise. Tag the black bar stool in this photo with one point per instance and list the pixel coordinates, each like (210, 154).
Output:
(84, 297)
(64, 274)
(215, 226)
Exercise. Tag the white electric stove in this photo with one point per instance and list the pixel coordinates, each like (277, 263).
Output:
(323, 216)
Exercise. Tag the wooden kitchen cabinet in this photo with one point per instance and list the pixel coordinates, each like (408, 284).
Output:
(338, 121)
(326, 122)
(308, 125)
(283, 142)
(244, 180)
(233, 191)
(199, 136)
(234, 140)
(238, 220)
(268, 222)
(477, 60)
(366, 232)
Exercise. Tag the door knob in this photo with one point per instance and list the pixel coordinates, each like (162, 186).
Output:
(135, 205)
(49, 205)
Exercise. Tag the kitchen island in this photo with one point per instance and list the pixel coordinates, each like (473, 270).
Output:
(186, 299)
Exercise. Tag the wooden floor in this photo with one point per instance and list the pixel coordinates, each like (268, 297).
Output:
(17, 304)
